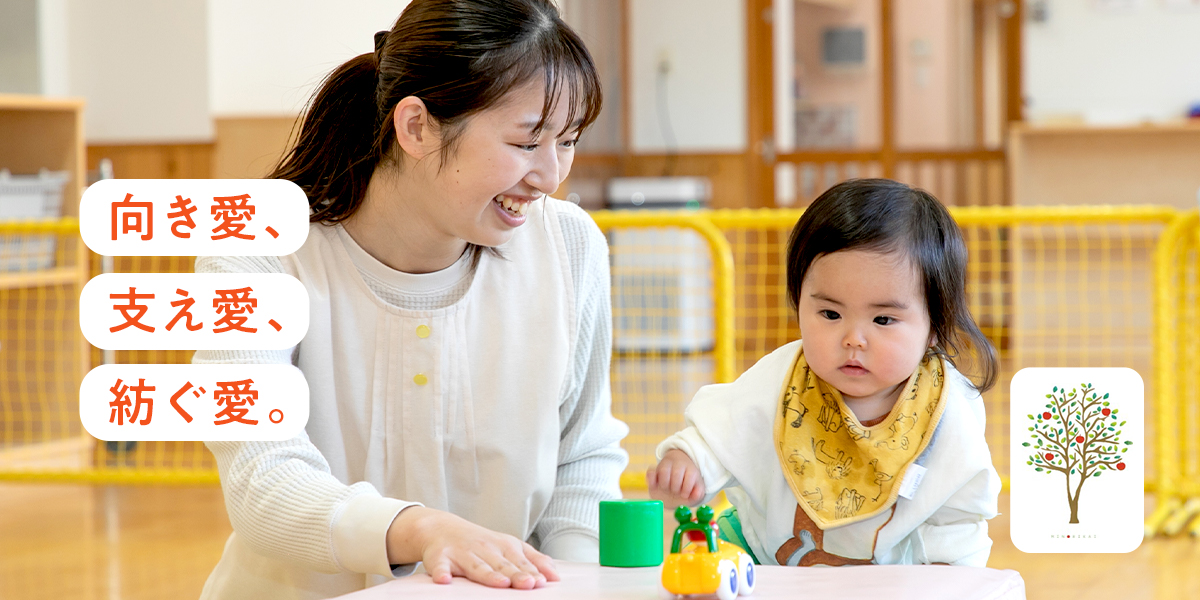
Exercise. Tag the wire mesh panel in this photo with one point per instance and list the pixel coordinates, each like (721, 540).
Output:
(42, 353)
(1049, 287)
(166, 462)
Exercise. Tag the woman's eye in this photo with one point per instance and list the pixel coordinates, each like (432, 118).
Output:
(884, 320)
(527, 147)
(829, 314)
(570, 143)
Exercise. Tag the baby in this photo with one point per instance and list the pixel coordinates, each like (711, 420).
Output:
(860, 443)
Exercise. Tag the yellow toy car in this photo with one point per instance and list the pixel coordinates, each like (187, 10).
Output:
(706, 565)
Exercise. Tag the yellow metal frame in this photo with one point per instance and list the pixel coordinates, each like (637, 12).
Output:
(1178, 500)
(722, 264)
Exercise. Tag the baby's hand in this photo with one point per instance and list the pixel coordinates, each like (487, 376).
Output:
(676, 480)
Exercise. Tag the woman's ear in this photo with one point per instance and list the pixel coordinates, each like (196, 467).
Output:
(414, 129)
(932, 339)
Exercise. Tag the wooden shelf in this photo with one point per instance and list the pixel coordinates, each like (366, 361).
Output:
(46, 278)
(44, 133)
(1072, 164)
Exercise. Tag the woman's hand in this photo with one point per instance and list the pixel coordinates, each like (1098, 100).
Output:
(676, 480)
(452, 546)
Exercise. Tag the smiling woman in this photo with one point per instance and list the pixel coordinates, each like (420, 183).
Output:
(428, 166)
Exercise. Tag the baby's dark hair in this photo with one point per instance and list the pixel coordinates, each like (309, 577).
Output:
(888, 216)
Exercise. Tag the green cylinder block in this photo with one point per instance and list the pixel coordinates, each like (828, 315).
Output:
(631, 533)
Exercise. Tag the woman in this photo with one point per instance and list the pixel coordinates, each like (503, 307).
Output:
(460, 326)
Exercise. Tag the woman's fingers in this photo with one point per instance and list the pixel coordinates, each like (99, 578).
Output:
(479, 570)
(521, 573)
(440, 569)
(543, 563)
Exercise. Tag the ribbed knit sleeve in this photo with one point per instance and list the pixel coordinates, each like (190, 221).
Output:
(590, 458)
(281, 496)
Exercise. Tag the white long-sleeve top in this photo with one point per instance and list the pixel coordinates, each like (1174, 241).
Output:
(511, 428)
(728, 436)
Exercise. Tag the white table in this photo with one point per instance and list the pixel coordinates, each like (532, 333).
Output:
(582, 581)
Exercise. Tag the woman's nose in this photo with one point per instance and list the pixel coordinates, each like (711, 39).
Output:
(544, 175)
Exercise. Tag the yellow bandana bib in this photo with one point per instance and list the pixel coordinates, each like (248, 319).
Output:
(840, 471)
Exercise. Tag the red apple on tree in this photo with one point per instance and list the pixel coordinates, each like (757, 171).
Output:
(1120, 466)
(1045, 415)
(1049, 456)
(1106, 412)
(1079, 439)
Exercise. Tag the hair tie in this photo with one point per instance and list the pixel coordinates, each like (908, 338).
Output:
(380, 39)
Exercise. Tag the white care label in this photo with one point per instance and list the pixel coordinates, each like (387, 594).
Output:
(912, 479)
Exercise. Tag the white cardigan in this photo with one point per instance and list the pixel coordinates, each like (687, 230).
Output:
(729, 438)
(512, 427)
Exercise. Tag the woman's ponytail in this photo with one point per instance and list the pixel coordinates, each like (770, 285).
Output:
(338, 147)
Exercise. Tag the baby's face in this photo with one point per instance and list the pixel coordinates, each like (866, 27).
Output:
(863, 321)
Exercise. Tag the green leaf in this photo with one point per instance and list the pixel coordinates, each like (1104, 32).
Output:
(1056, 388)
(1097, 474)
(1072, 471)
(1106, 395)
(1026, 444)
(1128, 443)
(1029, 462)
(1031, 429)
(1105, 404)
(1039, 468)
(1101, 467)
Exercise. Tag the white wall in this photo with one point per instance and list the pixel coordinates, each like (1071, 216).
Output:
(140, 65)
(267, 57)
(19, 47)
(1112, 66)
(705, 42)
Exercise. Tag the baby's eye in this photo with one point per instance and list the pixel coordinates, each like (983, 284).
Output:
(884, 320)
(829, 314)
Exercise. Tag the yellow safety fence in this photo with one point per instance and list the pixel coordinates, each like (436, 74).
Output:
(697, 296)
(1177, 376)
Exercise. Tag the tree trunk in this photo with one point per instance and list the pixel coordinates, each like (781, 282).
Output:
(1074, 502)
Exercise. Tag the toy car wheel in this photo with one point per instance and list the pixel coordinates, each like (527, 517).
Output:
(746, 575)
(727, 586)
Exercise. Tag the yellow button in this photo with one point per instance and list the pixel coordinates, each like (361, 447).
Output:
(422, 331)
(421, 379)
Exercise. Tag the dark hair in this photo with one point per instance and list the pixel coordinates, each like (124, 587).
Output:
(459, 57)
(885, 215)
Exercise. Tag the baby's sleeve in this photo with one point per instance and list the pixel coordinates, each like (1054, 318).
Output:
(957, 532)
(728, 426)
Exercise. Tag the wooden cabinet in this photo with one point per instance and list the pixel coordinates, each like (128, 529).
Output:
(44, 133)
(1066, 164)
(43, 356)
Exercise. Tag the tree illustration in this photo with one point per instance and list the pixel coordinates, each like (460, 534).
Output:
(1077, 435)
